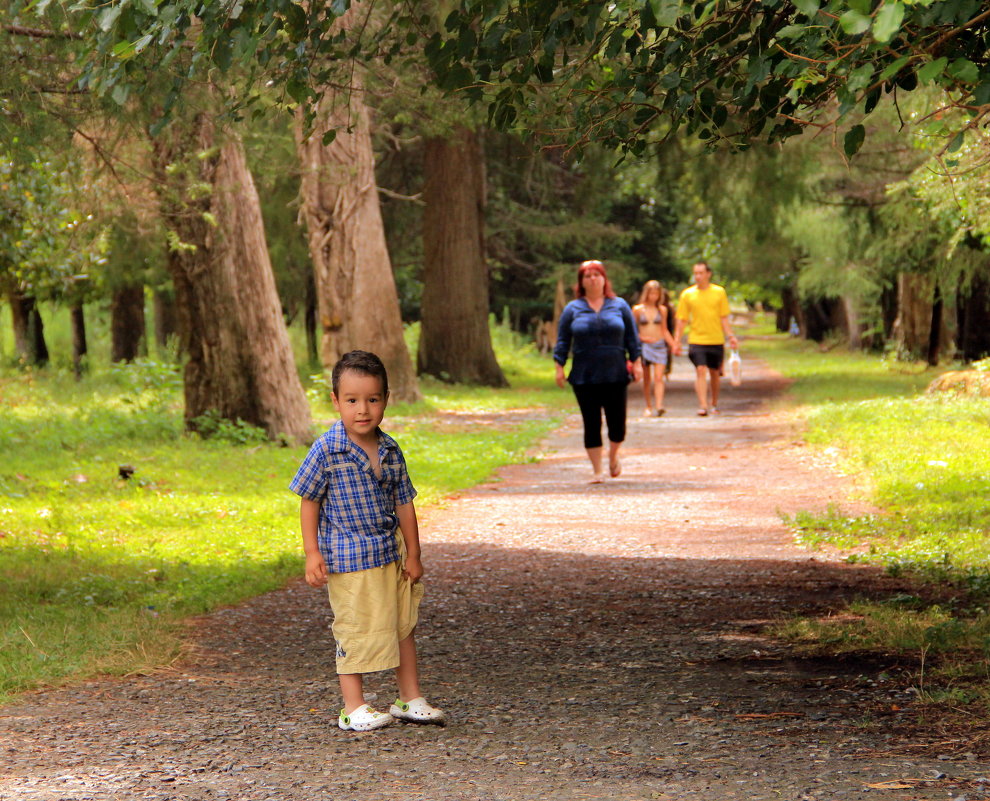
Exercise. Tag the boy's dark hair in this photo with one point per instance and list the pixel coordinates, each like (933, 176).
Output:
(360, 361)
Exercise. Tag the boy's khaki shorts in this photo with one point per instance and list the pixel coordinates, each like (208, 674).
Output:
(372, 610)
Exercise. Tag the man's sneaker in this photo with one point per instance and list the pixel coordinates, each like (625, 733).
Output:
(417, 711)
(364, 718)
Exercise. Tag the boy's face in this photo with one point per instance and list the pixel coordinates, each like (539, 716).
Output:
(360, 402)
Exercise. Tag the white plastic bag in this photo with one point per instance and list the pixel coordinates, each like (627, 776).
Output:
(735, 368)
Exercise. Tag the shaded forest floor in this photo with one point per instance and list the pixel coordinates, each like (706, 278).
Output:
(602, 641)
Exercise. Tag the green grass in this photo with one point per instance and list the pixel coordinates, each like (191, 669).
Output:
(926, 459)
(838, 375)
(925, 463)
(96, 571)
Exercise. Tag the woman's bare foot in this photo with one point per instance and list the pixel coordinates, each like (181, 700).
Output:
(597, 478)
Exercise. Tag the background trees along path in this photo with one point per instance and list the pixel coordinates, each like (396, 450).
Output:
(240, 364)
(455, 343)
(357, 302)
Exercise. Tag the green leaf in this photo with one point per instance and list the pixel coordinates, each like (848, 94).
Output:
(888, 21)
(808, 7)
(123, 50)
(108, 16)
(957, 141)
(931, 70)
(894, 67)
(853, 140)
(964, 70)
(853, 22)
(860, 78)
(792, 31)
(861, 6)
(667, 13)
(981, 95)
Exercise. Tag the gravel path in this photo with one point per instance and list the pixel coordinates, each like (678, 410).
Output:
(588, 642)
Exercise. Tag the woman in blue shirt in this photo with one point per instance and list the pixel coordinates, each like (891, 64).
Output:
(598, 328)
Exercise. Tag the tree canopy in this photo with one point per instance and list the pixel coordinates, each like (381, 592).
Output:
(637, 70)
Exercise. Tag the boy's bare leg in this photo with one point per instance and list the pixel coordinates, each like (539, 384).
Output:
(701, 386)
(352, 689)
(715, 382)
(407, 673)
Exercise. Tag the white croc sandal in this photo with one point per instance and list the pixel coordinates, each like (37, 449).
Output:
(417, 711)
(364, 718)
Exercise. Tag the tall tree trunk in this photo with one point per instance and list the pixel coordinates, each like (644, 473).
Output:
(127, 326)
(974, 311)
(357, 301)
(36, 332)
(853, 324)
(455, 342)
(166, 319)
(29, 329)
(240, 362)
(914, 313)
(79, 347)
(935, 334)
(309, 319)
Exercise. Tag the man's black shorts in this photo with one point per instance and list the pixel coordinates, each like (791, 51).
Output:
(710, 356)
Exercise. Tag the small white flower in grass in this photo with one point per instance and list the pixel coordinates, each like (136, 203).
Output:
(919, 485)
(44, 513)
(937, 463)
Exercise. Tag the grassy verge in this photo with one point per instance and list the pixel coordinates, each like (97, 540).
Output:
(927, 462)
(97, 571)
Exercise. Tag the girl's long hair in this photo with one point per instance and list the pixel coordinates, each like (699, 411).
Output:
(648, 287)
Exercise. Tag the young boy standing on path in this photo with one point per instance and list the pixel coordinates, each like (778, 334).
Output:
(355, 492)
(705, 308)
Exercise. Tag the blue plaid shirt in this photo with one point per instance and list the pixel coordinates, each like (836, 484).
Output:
(357, 509)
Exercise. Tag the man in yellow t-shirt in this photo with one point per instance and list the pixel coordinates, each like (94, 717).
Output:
(704, 308)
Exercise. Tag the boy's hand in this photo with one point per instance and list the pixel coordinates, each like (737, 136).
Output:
(316, 570)
(413, 569)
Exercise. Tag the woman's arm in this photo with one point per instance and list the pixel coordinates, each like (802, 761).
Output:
(563, 346)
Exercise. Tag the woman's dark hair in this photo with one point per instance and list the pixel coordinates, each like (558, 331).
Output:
(360, 361)
(592, 266)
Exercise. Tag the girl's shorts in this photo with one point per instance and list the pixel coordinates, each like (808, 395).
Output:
(372, 611)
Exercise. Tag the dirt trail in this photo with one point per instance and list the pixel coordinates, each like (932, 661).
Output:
(588, 642)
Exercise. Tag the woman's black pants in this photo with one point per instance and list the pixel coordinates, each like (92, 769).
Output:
(595, 398)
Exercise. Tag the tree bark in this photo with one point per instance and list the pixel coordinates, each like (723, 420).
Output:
(79, 347)
(455, 342)
(973, 313)
(239, 360)
(29, 330)
(912, 327)
(127, 326)
(166, 323)
(357, 302)
(853, 325)
(935, 333)
(309, 320)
